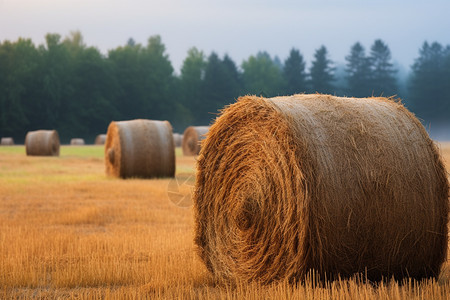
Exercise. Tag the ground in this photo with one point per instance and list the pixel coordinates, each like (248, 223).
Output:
(69, 231)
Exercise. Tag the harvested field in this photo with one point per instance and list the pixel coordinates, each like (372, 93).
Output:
(69, 231)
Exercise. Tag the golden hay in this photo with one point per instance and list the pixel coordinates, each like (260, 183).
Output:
(100, 139)
(42, 143)
(315, 182)
(77, 142)
(140, 148)
(177, 139)
(7, 141)
(192, 137)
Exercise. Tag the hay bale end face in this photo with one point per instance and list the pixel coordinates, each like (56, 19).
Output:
(100, 139)
(77, 142)
(192, 137)
(140, 148)
(314, 182)
(7, 141)
(42, 143)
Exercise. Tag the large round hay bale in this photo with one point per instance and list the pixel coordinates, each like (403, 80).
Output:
(77, 142)
(177, 139)
(314, 182)
(42, 143)
(140, 148)
(100, 139)
(192, 137)
(7, 141)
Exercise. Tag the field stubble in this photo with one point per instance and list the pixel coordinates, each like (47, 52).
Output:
(67, 230)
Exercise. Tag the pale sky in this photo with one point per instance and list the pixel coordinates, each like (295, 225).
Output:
(239, 28)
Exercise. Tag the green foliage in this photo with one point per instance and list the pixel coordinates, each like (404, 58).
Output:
(294, 73)
(321, 72)
(66, 85)
(359, 73)
(191, 82)
(430, 81)
(262, 76)
(383, 80)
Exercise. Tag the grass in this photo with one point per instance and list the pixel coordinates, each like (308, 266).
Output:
(68, 231)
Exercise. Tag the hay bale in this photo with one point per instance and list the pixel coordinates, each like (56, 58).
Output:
(140, 148)
(177, 139)
(7, 141)
(42, 143)
(77, 142)
(314, 182)
(192, 137)
(100, 139)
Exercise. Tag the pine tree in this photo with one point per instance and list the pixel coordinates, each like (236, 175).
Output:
(429, 82)
(383, 81)
(358, 71)
(322, 72)
(294, 73)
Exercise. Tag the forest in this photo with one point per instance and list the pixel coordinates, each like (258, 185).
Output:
(66, 85)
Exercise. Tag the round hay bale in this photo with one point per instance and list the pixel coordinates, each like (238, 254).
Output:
(100, 139)
(140, 148)
(77, 142)
(7, 141)
(192, 137)
(42, 143)
(177, 139)
(340, 186)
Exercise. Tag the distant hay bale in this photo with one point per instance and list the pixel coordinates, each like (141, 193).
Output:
(7, 141)
(100, 139)
(42, 143)
(177, 139)
(77, 142)
(192, 137)
(314, 182)
(140, 148)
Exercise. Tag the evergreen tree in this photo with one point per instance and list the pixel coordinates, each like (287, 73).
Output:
(19, 75)
(221, 84)
(234, 82)
(358, 71)
(213, 87)
(191, 80)
(322, 72)
(383, 80)
(429, 82)
(294, 73)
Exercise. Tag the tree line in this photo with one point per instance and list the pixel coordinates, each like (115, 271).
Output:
(69, 86)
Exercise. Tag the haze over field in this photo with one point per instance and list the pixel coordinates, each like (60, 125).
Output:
(239, 28)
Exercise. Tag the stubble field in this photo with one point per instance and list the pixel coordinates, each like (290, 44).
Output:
(69, 231)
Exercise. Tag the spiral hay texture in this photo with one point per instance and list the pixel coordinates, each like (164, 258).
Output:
(192, 137)
(140, 148)
(314, 182)
(177, 139)
(7, 141)
(42, 143)
(100, 139)
(77, 142)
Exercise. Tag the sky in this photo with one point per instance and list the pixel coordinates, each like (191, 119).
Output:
(239, 28)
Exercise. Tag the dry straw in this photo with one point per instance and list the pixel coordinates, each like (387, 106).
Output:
(77, 142)
(100, 139)
(7, 141)
(140, 148)
(177, 139)
(315, 182)
(42, 143)
(192, 137)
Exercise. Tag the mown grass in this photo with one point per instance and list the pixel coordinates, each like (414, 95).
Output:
(69, 231)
